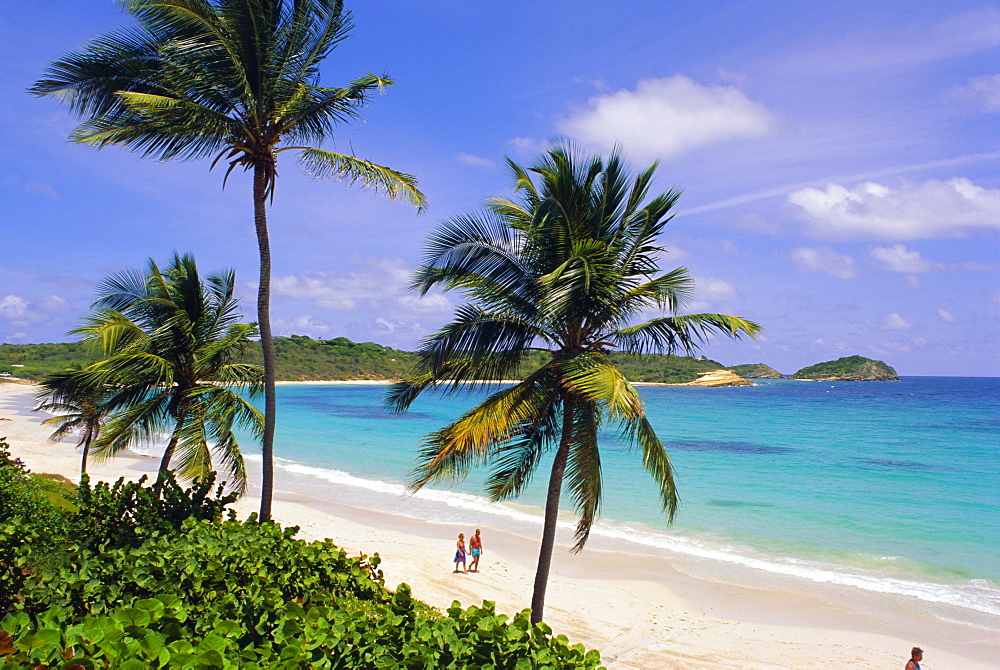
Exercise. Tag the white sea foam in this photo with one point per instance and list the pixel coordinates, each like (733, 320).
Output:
(978, 595)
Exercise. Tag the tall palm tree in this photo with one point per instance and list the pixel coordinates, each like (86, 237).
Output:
(567, 268)
(172, 344)
(233, 79)
(76, 408)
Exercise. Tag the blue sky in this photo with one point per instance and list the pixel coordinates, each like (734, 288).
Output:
(839, 163)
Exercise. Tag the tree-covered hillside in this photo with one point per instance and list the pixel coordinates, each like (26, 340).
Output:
(756, 371)
(40, 360)
(302, 358)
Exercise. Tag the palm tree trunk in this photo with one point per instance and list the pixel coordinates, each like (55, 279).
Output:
(86, 450)
(168, 453)
(266, 341)
(552, 513)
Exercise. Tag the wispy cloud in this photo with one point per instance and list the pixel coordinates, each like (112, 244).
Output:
(895, 322)
(475, 161)
(982, 92)
(781, 191)
(824, 260)
(904, 45)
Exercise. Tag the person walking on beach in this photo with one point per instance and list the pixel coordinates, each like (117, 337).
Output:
(916, 655)
(476, 546)
(460, 554)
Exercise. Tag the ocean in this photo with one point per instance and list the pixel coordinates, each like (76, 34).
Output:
(881, 486)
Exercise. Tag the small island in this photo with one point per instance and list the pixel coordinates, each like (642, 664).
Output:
(849, 368)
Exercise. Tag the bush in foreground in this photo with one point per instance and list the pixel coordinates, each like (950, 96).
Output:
(187, 589)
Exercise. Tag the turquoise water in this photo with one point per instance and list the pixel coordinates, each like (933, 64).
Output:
(884, 486)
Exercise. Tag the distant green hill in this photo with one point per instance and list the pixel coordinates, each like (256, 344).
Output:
(302, 358)
(40, 359)
(849, 368)
(664, 369)
(756, 371)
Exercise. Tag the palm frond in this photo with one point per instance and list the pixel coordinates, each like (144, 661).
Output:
(453, 450)
(681, 333)
(328, 164)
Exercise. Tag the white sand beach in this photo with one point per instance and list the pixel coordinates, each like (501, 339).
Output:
(639, 610)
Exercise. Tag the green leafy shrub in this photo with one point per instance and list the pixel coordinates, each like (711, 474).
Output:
(27, 520)
(124, 513)
(192, 590)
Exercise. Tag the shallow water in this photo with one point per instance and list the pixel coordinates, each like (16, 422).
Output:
(882, 486)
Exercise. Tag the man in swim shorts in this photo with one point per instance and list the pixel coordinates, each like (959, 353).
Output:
(476, 545)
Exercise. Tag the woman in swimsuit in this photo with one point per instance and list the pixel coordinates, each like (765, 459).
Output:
(916, 656)
(460, 554)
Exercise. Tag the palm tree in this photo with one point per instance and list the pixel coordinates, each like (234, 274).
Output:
(172, 344)
(76, 408)
(233, 79)
(567, 268)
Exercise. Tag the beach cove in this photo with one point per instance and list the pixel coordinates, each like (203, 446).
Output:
(642, 605)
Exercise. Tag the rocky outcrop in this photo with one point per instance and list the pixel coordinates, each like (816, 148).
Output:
(756, 371)
(849, 369)
(718, 378)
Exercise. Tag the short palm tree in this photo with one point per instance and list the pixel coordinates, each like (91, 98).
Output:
(567, 268)
(172, 345)
(79, 410)
(233, 79)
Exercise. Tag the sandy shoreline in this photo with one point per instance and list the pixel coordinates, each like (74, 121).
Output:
(641, 611)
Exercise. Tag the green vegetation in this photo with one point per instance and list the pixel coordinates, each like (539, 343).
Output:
(756, 371)
(132, 579)
(301, 358)
(569, 264)
(849, 368)
(663, 368)
(41, 360)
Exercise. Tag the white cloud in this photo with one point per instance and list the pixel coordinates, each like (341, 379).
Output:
(895, 322)
(824, 260)
(432, 303)
(13, 307)
(898, 258)
(710, 288)
(982, 92)
(17, 311)
(475, 161)
(946, 316)
(377, 286)
(932, 209)
(664, 118)
(374, 280)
